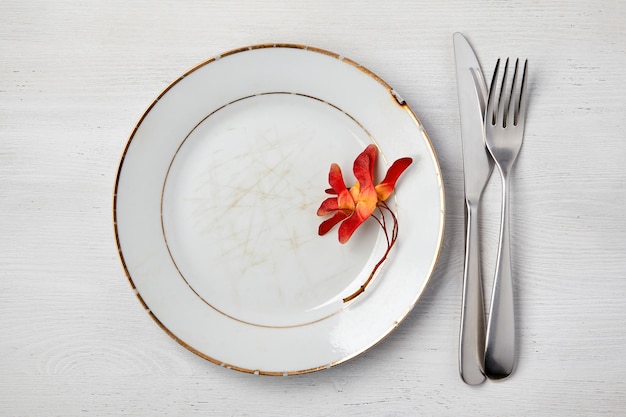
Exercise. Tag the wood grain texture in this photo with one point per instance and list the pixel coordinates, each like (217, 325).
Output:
(76, 76)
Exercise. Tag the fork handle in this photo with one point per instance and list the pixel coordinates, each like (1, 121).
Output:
(472, 336)
(500, 344)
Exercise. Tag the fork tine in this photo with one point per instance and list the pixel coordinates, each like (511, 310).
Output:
(512, 112)
(521, 114)
(481, 87)
(491, 104)
(502, 105)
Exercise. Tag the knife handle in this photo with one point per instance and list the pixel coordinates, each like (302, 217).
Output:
(472, 336)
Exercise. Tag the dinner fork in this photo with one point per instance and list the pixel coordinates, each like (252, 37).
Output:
(504, 132)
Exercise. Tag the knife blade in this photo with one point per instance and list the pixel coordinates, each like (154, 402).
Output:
(477, 167)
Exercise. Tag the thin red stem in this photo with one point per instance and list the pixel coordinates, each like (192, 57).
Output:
(390, 242)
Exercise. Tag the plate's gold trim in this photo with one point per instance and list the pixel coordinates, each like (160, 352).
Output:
(226, 365)
(404, 105)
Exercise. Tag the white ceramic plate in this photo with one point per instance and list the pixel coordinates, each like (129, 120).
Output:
(216, 200)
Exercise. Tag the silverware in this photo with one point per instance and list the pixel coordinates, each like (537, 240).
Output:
(504, 130)
(477, 167)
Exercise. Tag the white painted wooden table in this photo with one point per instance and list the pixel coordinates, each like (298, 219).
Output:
(76, 76)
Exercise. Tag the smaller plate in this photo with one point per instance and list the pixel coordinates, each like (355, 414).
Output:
(215, 210)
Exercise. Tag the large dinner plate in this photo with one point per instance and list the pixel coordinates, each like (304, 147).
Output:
(215, 210)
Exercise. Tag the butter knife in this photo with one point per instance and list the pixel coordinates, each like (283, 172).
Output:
(477, 167)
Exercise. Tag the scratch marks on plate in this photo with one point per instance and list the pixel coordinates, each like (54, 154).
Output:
(247, 200)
